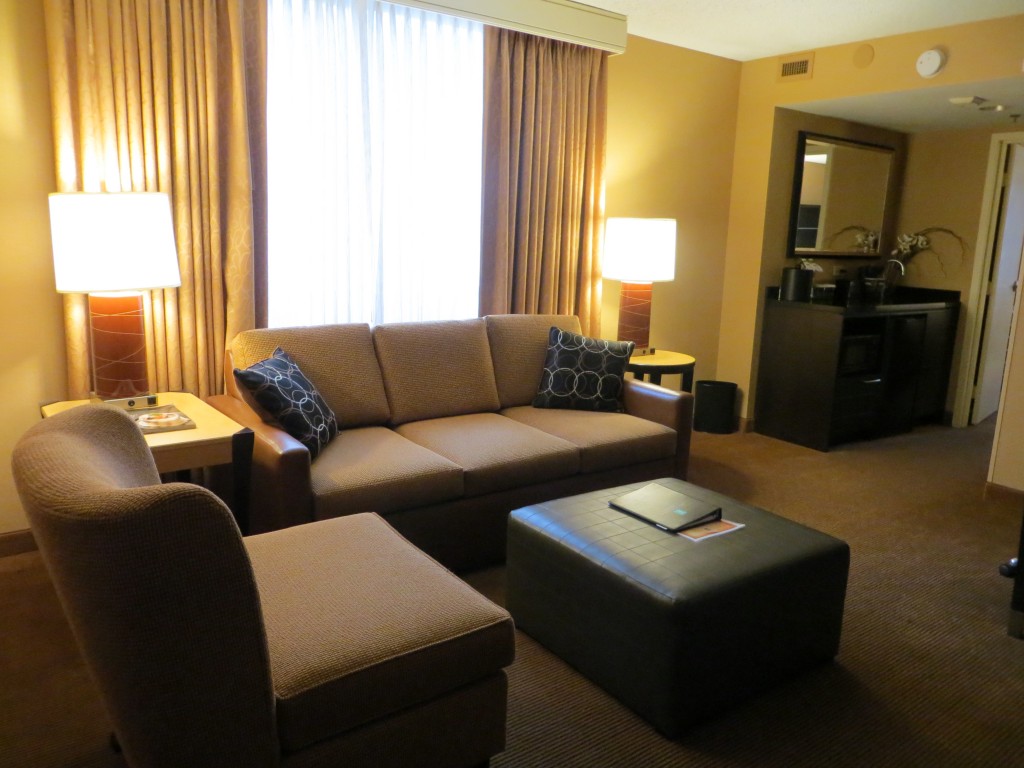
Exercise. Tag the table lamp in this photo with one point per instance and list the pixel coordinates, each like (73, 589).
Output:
(639, 252)
(112, 246)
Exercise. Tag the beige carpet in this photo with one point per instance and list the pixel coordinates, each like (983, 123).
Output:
(926, 674)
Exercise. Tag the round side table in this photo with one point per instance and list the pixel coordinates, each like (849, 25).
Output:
(661, 362)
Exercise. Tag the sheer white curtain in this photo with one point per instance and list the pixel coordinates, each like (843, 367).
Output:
(374, 115)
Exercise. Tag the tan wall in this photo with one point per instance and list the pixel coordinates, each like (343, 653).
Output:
(671, 128)
(939, 183)
(943, 187)
(787, 125)
(980, 51)
(782, 164)
(30, 313)
(955, 162)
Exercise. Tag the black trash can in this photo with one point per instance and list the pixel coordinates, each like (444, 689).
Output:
(797, 284)
(715, 408)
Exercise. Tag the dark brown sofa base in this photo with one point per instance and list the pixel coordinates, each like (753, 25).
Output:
(462, 534)
(411, 736)
(470, 533)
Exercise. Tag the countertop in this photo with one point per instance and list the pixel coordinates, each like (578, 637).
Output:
(904, 299)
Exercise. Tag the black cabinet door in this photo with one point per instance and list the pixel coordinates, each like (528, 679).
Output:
(936, 360)
(904, 347)
(858, 409)
(797, 374)
(826, 377)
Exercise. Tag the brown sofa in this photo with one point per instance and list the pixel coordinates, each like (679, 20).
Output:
(437, 432)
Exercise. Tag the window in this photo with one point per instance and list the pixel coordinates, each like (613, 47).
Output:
(374, 163)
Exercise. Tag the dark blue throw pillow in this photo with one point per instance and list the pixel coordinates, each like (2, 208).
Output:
(286, 394)
(582, 373)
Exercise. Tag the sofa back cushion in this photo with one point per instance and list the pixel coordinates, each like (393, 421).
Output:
(437, 368)
(338, 359)
(519, 344)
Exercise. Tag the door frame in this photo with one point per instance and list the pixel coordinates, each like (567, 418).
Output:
(975, 307)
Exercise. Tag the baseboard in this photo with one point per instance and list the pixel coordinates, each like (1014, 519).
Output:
(995, 492)
(17, 543)
(746, 425)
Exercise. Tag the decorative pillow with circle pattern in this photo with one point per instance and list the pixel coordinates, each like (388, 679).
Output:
(281, 388)
(582, 373)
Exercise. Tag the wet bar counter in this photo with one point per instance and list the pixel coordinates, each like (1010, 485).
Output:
(830, 374)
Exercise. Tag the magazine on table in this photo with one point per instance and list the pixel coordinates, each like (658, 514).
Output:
(710, 530)
(161, 418)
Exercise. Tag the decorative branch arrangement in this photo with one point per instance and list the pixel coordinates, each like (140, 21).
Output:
(910, 244)
(866, 239)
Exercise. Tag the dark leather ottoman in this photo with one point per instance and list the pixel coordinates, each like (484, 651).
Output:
(675, 629)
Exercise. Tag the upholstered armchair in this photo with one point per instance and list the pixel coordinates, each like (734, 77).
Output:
(332, 643)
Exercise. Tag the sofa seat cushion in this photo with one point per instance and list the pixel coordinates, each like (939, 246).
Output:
(392, 627)
(605, 440)
(496, 453)
(374, 469)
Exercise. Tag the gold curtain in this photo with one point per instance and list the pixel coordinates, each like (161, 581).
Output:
(151, 95)
(545, 107)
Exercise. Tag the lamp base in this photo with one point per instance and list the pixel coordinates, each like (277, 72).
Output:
(635, 313)
(118, 345)
(131, 403)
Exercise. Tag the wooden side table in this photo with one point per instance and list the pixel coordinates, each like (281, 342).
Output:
(661, 362)
(216, 440)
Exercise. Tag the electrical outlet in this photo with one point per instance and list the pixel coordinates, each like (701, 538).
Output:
(839, 272)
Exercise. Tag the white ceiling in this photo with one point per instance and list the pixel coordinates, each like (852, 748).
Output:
(929, 109)
(753, 29)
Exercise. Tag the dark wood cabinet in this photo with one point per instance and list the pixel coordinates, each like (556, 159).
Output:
(828, 375)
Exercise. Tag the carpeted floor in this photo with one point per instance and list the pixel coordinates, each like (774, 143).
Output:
(926, 675)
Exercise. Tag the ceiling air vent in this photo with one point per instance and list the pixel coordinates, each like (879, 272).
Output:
(796, 66)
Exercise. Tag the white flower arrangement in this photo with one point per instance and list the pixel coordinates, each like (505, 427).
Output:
(867, 241)
(908, 245)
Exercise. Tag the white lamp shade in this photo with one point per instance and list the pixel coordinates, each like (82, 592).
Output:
(640, 250)
(113, 241)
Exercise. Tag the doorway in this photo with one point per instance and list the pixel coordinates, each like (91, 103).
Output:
(994, 281)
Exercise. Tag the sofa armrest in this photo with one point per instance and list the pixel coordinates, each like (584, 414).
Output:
(281, 493)
(663, 406)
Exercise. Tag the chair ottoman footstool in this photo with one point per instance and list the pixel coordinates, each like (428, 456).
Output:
(675, 629)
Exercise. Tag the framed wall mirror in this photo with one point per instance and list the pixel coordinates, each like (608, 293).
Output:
(839, 197)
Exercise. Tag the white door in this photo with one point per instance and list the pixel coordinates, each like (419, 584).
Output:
(1001, 290)
(1006, 466)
